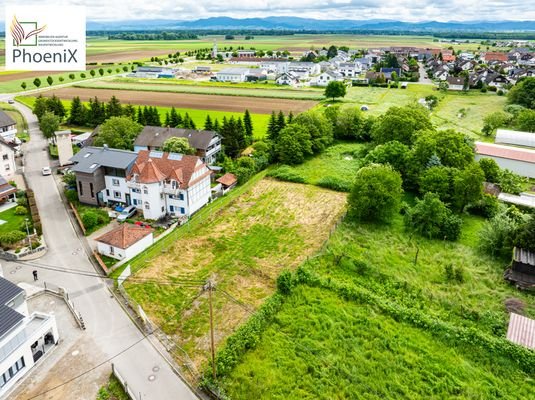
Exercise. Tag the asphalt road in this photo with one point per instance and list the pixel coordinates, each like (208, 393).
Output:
(109, 330)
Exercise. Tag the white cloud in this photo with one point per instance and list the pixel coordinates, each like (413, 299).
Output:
(405, 10)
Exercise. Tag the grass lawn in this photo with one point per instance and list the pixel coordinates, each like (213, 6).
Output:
(321, 346)
(339, 162)
(243, 247)
(260, 121)
(22, 126)
(13, 222)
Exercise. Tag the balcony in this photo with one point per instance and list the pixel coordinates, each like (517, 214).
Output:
(169, 189)
(133, 185)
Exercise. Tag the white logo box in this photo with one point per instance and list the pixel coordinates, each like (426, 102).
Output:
(45, 38)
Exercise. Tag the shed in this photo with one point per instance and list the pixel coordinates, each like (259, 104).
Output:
(522, 271)
(227, 181)
(125, 242)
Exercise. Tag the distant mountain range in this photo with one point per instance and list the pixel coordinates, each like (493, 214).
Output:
(294, 23)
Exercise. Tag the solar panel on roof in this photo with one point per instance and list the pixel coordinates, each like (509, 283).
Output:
(156, 154)
(174, 156)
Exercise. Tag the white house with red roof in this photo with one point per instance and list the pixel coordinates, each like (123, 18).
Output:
(125, 242)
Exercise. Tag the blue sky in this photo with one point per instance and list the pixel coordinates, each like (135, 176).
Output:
(404, 10)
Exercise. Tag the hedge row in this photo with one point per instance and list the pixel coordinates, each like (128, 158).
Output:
(287, 174)
(34, 211)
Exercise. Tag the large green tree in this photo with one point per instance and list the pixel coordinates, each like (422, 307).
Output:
(393, 153)
(49, 124)
(525, 121)
(293, 144)
(335, 89)
(468, 186)
(376, 193)
(178, 145)
(452, 148)
(523, 93)
(118, 133)
(319, 128)
(438, 180)
(77, 112)
(401, 124)
(350, 123)
(494, 121)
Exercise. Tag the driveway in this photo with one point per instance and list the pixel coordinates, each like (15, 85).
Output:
(423, 75)
(110, 335)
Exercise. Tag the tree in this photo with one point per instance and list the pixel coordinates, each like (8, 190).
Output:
(178, 145)
(393, 153)
(40, 107)
(494, 121)
(490, 169)
(92, 72)
(350, 123)
(432, 219)
(432, 101)
(497, 236)
(376, 193)
(273, 128)
(453, 148)
(293, 144)
(319, 128)
(23, 85)
(49, 124)
(101, 71)
(174, 118)
(77, 113)
(72, 76)
(96, 114)
(114, 108)
(443, 86)
(468, 186)
(525, 120)
(526, 236)
(332, 52)
(49, 80)
(281, 121)
(438, 180)
(401, 124)
(208, 125)
(37, 82)
(335, 89)
(55, 105)
(118, 133)
(523, 93)
(248, 126)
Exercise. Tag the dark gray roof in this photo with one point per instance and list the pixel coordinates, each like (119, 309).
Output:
(89, 159)
(9, 318)
(155, 136)
(5, 120)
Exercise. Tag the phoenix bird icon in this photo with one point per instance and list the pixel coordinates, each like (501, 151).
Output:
(17, 31)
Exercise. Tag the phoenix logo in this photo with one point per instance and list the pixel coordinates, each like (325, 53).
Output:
(18, 33)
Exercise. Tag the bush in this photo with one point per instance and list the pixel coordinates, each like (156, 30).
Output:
(10, 238)
(89, 219)
(510, 182)
(22, 226)
(285, 282)
(286, 173)
(491, 169)
(22, 201)
(71, 195)
(333, 183)
(21, 210)
(487, 207)
(498, 235)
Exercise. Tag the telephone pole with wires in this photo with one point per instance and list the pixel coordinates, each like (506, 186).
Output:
(210, 286)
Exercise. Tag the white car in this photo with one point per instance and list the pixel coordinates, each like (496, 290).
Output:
(46, 171)
(126, 213)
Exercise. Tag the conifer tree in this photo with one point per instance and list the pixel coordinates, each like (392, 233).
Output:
(208, 126)
(272, 131)
(281, 122)
(248, 126)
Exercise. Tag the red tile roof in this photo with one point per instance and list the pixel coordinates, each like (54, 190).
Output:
(511, 153)
(124, 236)
(227, 180)
(495, 56)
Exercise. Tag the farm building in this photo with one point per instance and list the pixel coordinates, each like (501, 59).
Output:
(232, 74)
(516, 138)
(125, 242)
(8, 127)
(520, 161)
(153, 72)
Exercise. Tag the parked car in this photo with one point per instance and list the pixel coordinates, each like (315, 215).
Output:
(11, 101)
(126, 213)
(46, 171)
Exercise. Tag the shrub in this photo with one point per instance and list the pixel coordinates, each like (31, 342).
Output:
(285, 282)
(22, 201)
(333, 183)
(71, 195)
(498, 234)
(487, 207)
(491, 169)
(89, 219)
(21, 210)
(510, 182)
(22, 226)
(286, 173)
(10, 238)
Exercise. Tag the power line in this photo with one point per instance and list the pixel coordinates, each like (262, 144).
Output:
(89, 370)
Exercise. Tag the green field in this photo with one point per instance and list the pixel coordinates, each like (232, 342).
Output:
(260, 121)
(325, 344)
(12, 221)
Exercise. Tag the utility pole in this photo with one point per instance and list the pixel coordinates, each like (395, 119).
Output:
(211, 287)
(28, 233)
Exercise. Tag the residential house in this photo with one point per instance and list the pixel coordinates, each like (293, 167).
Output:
(207, 144)
(125, 242)
(387, 72)
(327, 77)
(494, 56)
(8, 166)
(8, 127)
(519, 160)
(455, 83)
(287, 78)
(349, 69)
(7, 191)
(232, 75)
(24, 337)
(101, 175)
(168, 183)
(309, 68)
(246, 53)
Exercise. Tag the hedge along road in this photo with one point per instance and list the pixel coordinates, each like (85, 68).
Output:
(182, 100)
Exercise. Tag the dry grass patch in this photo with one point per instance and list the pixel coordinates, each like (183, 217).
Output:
(273, 226)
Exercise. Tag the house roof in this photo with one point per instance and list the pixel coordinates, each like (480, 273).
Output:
(521, 331)
(454, 80)
(155, 136)
(500, 151)
(5, 120)
(153, 167)
(89, 159)
(9, 318)
(124, 236)
(227, 180)
(5, 188)
(233, 71)
(495, 56)
(517, 138)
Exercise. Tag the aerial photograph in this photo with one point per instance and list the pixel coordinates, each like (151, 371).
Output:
(317, 200)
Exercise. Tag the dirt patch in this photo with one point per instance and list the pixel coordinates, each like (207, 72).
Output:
(182, 100)
(243, 248)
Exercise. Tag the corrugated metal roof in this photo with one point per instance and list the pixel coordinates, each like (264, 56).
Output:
(521, 331)
(511, 153)
(524, 256)
(518, 138)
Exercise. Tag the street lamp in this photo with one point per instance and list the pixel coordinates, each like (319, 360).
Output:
(28, 233)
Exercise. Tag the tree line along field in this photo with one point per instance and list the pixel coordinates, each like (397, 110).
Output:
(322, 343)
(260, 121)
(264, 227)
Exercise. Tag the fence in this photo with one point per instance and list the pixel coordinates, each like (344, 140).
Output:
(77, 216)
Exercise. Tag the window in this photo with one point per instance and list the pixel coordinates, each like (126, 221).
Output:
(182, 210)
(108, 192)
(145, 190)
(147, 205)
(161, 196)
(80, 188)
(181, 196)
(115, 182)
(6, 167)
(5, 157)
(91, 189)
(134, 202)
(117, 195)
(172, 208)
(112, 250)
(12, 371)
(163, 209)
